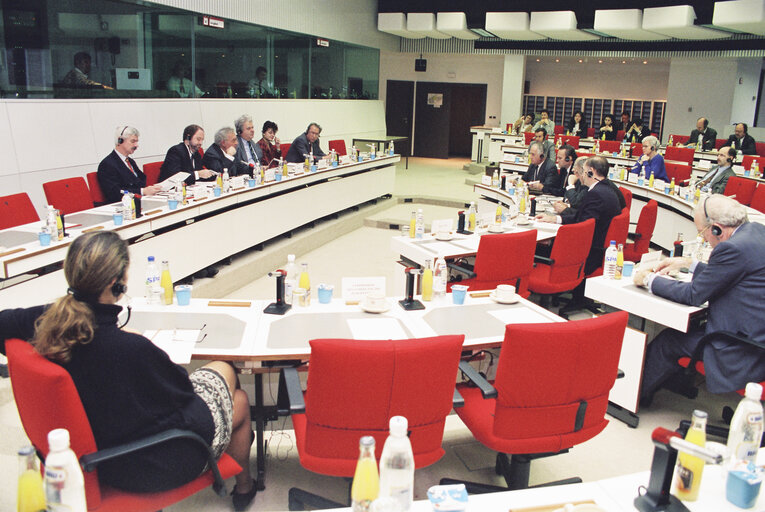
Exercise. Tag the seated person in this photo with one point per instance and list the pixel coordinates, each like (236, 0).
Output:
(118, 172)
(577, 126)
(624, 123)
(607, 130)
(540, 135)
(741, 141)
(637, 132)
(258, 86)
(180, 85)
(185, 157)
(546, 123)
(708, 135)
(575, 189)
(270, 145)
(78, 76)
(542, 175)
(651, 162)
(247, 151)
(716, 179)
(222, 154)
(128, 386)
(732, 282)
(304, 144)
(524, 124)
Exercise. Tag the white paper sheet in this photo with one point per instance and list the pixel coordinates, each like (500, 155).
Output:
(376, 329)
(177, 343)
(518, 316)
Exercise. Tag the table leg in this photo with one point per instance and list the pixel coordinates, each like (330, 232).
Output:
(260, 427)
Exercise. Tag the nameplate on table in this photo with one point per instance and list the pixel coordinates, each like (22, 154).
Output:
(356, 288)
(96, 228)
(632, 177)
(152, 212)
(551, 508)
(486, 180)
(229, 304)
(441, 225)
(13, 251)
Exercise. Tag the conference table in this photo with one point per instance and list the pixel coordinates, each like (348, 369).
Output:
(381, 144)
(194, 236)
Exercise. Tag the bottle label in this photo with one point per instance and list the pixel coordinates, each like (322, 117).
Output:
(755, 417)
(684, 478)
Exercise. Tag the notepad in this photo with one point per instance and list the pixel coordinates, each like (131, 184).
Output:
(177, 343)
(376, 329)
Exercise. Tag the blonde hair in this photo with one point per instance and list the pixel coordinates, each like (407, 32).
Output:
(93, 261)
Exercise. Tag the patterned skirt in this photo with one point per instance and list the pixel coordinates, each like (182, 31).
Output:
(211, 387)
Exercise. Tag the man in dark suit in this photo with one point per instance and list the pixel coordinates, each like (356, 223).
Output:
(542, 175)
(708, 135)
(742, 141)
(636, 132)
(185, 157)
(624, 123)
(575, 189)
(247, 150)
(716, 179)
(304, 144)
(118, 172)
(540, 135)
(733, 282)
(222, 154)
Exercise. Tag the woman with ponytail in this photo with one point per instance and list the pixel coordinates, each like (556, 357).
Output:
(129, 388)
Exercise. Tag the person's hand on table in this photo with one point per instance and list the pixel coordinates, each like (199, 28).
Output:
(672, 265)
(545, 218)
(559, 206)
(535, 185)
(639, 277)
(151, 190)
(206, 173)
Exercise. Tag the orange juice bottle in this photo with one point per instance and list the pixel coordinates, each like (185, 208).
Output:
(690, 467)
(366, 479)
(31, 497)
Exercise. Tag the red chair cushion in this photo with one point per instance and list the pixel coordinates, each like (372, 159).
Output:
(682, 139)
(151, 170)
(527, 136)
(568, 139)
(645, 226)
(69, 195)
(15, 210)
(758, 199)
(338, 146)
(720, 143)
(742, 188)
(95, 188)
(569, 255)
(611, 146)
(679, 154)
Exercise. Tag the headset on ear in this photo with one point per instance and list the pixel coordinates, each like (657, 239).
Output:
(120, 140)
(118, 288)
(715, 229)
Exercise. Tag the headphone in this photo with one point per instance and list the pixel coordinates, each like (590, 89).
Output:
(118, 288)
(715, 229)
(706, 122)
(731, 154)
(120, 140)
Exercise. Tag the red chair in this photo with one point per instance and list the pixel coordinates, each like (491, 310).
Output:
(506, 258)
(749, 159)
(151, 170)
(353, 389)
(591, 132)
(742, 188)
(720, 143)
(46, 399)
(527, 137)
(620, 135)
(681, 172)
(617, 231)
(627, 194)
(69, 195)
(636, 149)
(633, 251)
(526, 420)
(758, 199)
(760, 148)
(611, 146)
(568, 139)
(559, 129)
(95, 189)
(679, 154)
(682, 139)
(338, 146)
(285, 147)
(17, 209)
(564, 269)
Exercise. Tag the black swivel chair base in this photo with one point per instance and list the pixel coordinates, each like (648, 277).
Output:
(303, 500)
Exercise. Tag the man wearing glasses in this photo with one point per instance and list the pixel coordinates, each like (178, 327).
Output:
(304, 144)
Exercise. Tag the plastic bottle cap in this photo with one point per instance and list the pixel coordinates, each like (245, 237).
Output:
(151, 258)
(700, 414)
(58, 439)
(367, 441)
(754, 391)
(26, 450)
(398, 426)
(290, 257)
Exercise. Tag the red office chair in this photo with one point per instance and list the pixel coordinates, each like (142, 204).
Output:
(612, 146)
(633, 251)
(679, 154)
(527, 137)
(151, 170)
(338, 146)
(742, 188)
(620, 135)
(15, 210)
(568, 139)
(682, 139)
(46, 399)
(748, 159)
(636, 149)
(355, 386)
(627, 193)
(590, 132)
(69, 195)
(617, 231)
(564, 269)
(285, 147)
(758, 199)
(526, 419)
(559, 129)
(720, 143)
(506, 258)
(681, 172)
(95, 189)
(760, 148)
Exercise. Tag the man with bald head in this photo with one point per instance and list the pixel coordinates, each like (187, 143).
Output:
(708, 135)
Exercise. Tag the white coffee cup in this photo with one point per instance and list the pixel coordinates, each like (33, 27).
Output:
(374, 300)
(505, 292)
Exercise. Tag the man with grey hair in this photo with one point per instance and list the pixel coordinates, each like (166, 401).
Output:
(118, 172)
(542, 170)
(732, 282)
(304, 144)
(247, 150)
(222, 154)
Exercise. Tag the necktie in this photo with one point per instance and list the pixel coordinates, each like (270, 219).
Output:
(127, 161)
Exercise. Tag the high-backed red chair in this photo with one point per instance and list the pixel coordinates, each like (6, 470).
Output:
(527, 137)
(742, 188)
(568, 139)
(17, 209)
(679, 154)
(95, 189)
(69, 195)
(285, 147)
(617, 231)
(633, 251)
(636, 149)
(506, 258)
(564, 269)
(151, 170)
(760, 148)
(720, 143)
(338, 145)
(682, 139)
(620, 135)
(612, 146)
(590, 132)
(526, 420)
(46, 399)
(559, 129)
(681, 172)
(355, 386)
(627, 194)
(758, 199)
(748, 159)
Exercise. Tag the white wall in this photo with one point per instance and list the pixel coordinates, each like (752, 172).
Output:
(514, 73)
(745, 89)
(45, 140)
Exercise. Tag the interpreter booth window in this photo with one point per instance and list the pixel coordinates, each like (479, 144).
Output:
(168, 37)
(290, 65)
(361, 72)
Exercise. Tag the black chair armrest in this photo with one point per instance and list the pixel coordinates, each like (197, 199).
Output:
(290, 397)
(487, 390)
(543, 259)
(462, 270)
(90, 461)
(637, 236)
(619, 373)
(457, 400)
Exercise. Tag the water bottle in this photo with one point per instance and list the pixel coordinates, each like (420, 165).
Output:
(226, 181)
(609, 265)
(641, 178)
(440, 276)
(152, 278)
(290, 280)
(127, 205)
(397, 465)
(419, 228)
(746, 426)
(64, 483)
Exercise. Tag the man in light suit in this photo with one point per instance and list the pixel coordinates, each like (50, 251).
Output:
(733, 282)
(223, 154)
(118, 172)
(708, 135)
(247, 150)
(716, 179)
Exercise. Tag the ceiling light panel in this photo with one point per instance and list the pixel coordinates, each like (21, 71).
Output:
(511, 25)
(624, 24)
(677, 21)
(454, 24)
(395, 23)
(743, 15)
(424, 24)
(559, 25)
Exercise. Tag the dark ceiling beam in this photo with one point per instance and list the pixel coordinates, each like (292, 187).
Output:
(612, 44)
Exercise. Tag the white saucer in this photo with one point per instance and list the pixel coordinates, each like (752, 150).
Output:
(496, 229)
(446, 238)
(370, 309)
(493, 297)
(527, 223)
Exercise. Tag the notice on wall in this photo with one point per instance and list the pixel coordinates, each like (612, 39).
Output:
(436, 99)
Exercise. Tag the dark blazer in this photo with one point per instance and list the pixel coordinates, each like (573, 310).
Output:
(582, 128)
(177, 160)
(644, 132)
(241, 153)
(300, 146)
(618, 125)
(745, 145)
(609, 135)
(540, 173)
(215, 159)
(733, 281)
(114, 176)
(599, 203)
(707, 141)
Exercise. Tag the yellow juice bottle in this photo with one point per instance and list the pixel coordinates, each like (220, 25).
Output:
(413, 225)
(59, 225)
(366, 479)
(31, 497)
(305, 283)
(166, 282)
(498, 215)
(619, 262)
(427, 282)
(650, 181)
(183, 193)
(689, 467)
(219, 180)
(672, 186)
